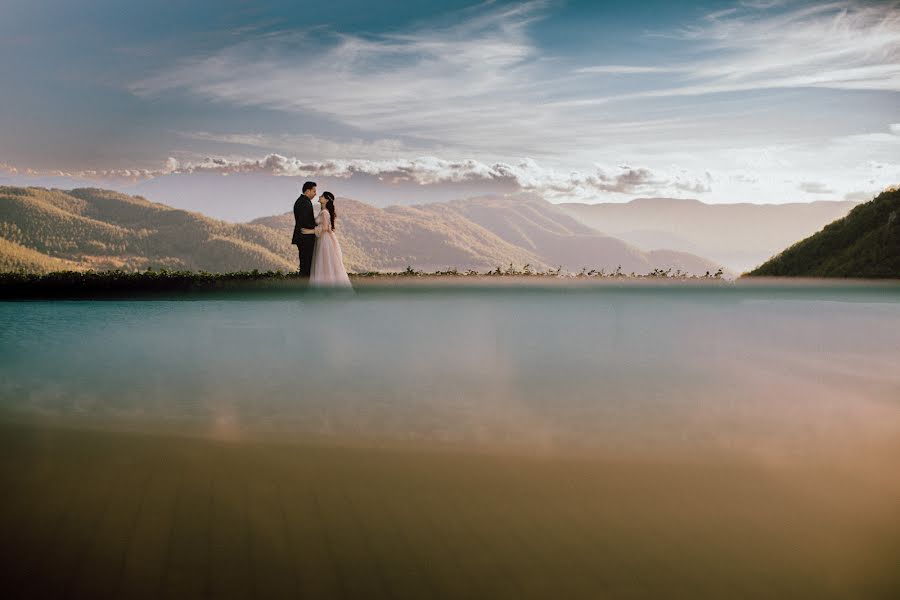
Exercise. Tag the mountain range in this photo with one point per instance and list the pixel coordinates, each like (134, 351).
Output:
(487, 232)
(739, 236)
(44, 230)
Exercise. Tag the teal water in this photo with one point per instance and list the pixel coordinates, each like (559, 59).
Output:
(763, 368)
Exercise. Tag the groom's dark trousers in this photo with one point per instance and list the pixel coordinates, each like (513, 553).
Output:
(305, 247)
(304, 219)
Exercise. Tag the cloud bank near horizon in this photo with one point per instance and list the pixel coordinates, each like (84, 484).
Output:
(524, 176)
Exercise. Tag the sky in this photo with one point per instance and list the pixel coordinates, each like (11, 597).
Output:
(226, 107)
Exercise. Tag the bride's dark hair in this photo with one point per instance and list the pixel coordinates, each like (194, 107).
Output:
(329, 206)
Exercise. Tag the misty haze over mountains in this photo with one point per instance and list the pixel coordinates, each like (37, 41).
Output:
(45, 230)
(484, 233)
(739, 236)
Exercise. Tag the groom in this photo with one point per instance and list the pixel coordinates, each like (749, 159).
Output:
(305, 219)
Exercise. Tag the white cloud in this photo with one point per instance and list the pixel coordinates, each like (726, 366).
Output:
(814, 187)
(525, 175)
(874, 144)
(871, 138)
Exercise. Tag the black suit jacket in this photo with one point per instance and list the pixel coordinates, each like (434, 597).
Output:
(303, 218)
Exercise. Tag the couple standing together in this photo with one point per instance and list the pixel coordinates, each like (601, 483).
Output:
(321, 260)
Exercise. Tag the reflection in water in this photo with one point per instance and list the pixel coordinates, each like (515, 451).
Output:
(626, 368)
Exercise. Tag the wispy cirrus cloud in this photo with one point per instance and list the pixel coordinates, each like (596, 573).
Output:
(427, 82)
(839, 45)
(847, 45)
(483, 84)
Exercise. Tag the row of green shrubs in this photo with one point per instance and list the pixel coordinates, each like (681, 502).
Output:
(62, 284)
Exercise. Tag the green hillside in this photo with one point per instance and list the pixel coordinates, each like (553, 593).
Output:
(44, 230)
(864, 244)
(14, 257)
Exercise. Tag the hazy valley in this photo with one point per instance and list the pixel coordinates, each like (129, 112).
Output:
(739, 236)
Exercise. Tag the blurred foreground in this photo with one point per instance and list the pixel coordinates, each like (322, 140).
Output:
(97, 515)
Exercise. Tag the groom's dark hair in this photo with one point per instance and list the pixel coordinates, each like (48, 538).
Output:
(309, 185)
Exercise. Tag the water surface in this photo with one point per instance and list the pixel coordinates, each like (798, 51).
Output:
(624, 441)
(763, 368)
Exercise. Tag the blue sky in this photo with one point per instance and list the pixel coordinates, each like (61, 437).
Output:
(758, 101)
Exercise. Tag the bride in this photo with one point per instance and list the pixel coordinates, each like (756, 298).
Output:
(328, 261)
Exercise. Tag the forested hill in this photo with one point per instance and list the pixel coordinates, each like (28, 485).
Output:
(45, 230)
(863, 244)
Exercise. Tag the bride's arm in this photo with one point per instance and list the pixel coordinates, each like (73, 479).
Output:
(321, 228)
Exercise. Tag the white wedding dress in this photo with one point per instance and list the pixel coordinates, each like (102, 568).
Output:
(328, 260)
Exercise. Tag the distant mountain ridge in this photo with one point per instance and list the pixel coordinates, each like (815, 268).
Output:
(488, 232)
(740, 236)
(375, 239)
(863, 244)
(43, 230)
(557, 238)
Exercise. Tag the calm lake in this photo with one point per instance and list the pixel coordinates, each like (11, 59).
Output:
(749, 367)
